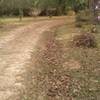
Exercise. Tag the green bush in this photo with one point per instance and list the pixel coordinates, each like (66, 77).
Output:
(71, 13)
(84, 16)
(90, 28)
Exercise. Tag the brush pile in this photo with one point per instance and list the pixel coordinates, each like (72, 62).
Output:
(84, 40)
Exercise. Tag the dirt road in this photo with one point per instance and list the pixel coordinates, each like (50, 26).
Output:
(15, 52)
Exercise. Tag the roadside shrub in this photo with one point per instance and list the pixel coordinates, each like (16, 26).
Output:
(90, 28)
(84, 40)
(71, 13)
(84, 16)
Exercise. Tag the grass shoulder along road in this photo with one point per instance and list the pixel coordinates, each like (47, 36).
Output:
(9, 23)
(63, 72)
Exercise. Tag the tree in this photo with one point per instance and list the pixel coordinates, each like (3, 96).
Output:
(78, 5)
(48, 4)
(8, 5)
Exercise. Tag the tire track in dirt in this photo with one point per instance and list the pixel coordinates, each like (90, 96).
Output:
(15, 52)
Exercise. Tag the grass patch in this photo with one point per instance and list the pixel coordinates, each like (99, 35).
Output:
(9, 23)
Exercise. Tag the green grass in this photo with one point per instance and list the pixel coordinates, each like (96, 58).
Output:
(9, 23)
(26, 19)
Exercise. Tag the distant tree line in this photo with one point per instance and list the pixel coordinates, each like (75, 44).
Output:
(46, 7)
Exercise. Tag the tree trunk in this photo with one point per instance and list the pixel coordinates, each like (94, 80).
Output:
(20, 14)
(59, 10)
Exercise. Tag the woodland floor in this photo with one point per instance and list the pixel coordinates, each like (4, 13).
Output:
(37, 63)
(63, 72)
